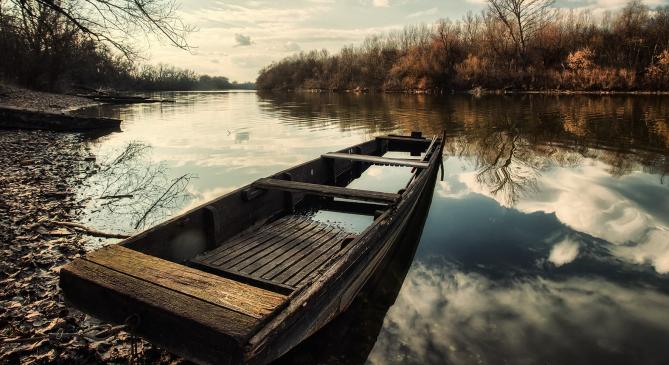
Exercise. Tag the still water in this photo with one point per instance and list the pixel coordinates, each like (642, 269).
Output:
(547, 240)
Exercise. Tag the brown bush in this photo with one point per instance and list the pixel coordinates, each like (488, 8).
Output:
(657, 74)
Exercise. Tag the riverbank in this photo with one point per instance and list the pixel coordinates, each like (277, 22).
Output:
(28, 109)
(480, 91)
(41, 171)
(17, 97)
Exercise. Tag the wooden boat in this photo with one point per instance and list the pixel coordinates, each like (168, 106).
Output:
(246, 277)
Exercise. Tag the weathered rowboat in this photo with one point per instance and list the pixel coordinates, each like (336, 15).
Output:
(246, 277)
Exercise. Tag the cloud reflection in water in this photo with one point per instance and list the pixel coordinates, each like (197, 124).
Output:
(444, 315)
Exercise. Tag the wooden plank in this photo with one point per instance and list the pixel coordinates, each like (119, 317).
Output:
(427, 151)
(378, 160)
(243, 298)
(313, 261)
(268, 239)
(327, 190)
(244, 278)
(246, 237)
(298, 261)
(272, 245)
(300, 278)
(227, 253)
(320, 264)
(291, 251)
(190, 327)
(404, 139)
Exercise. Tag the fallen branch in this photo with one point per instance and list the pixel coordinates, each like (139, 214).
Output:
(116, 196)
(89, 231)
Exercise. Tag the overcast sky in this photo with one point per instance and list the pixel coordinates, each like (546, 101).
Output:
(237, 38)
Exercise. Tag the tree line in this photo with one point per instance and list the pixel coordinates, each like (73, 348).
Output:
(512, 45)
(60, 45)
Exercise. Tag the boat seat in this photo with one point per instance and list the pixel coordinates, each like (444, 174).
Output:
(376, 160)
(327, 190)
(281, 256)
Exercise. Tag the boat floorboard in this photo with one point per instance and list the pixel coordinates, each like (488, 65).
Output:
(288, 252)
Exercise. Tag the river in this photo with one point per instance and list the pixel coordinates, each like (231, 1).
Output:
(547, 240)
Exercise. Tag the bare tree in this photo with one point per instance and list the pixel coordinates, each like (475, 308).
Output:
(522, 19)
(114, 22)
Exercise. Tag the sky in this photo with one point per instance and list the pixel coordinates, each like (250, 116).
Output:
(237, 38)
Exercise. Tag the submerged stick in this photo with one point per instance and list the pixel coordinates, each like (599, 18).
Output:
(89, 231)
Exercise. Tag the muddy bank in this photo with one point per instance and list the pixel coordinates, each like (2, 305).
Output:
(40, 171)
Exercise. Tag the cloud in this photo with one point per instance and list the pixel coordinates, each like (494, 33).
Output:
(251, 60)
(563, 252)
(421, 13)
(242, 40)
(464, 318)
(291, 47)
(381, 3)
(601, 6)
(588, 199)
(653, 250)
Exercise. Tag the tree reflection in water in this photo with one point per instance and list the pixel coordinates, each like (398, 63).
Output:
(132, 190)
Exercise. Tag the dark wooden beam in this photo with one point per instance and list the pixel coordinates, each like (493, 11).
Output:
(327, 190)
(378, 160)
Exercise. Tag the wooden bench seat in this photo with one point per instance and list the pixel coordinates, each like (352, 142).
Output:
(327, 190)
(376, 160)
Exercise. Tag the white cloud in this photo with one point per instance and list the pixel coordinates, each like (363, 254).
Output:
(588, 199)
(381, 3)
(563, 252)
(422, 13)
(291, 47)
(598, 7)
(653, 250)
(464, 318)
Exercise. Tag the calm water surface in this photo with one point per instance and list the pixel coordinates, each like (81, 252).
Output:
(547, 240)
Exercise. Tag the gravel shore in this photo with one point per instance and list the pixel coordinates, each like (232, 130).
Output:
(28, 99)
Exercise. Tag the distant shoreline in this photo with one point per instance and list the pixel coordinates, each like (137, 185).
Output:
(475, 92)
